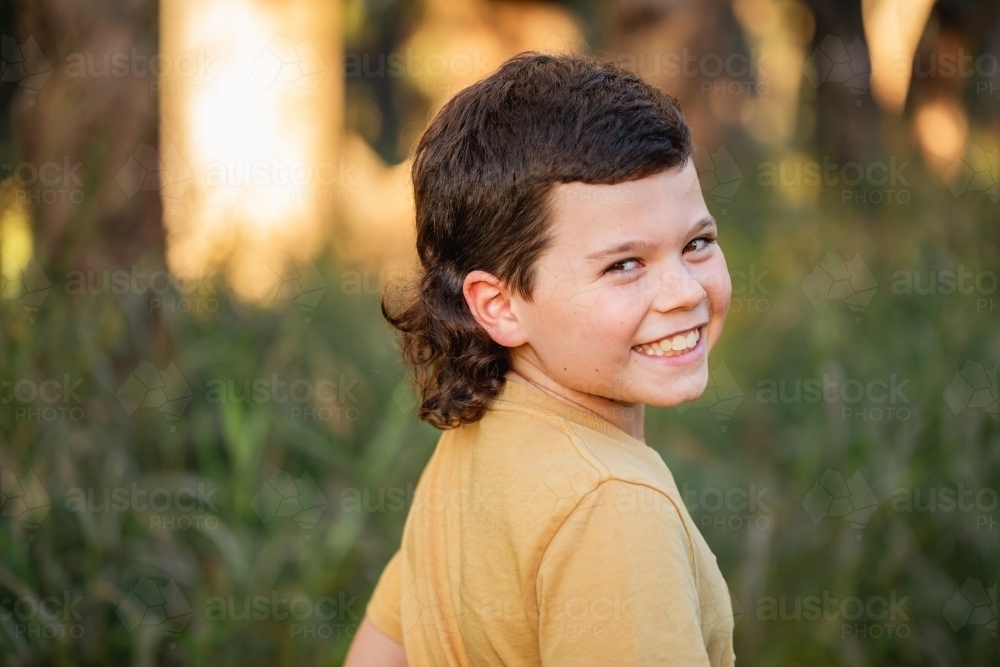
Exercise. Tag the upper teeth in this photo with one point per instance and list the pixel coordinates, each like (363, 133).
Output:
(678, 343)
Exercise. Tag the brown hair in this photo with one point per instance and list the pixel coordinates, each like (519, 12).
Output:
(482, 173)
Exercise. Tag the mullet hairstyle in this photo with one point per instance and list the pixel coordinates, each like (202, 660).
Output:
(482, 174)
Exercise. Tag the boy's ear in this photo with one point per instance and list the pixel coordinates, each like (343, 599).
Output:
(489, 301)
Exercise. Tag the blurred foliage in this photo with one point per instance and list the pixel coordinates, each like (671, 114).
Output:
(364, 449)
(220, 547)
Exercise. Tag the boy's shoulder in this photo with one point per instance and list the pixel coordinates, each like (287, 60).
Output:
(532, 469)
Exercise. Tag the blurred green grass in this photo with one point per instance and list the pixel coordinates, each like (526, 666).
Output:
(221, 547)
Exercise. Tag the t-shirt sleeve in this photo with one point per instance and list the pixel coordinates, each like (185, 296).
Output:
(383, 607)
(616, 584)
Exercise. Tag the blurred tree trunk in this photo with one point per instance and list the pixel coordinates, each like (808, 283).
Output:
(840, 25)
(646, 34)
(93, 111)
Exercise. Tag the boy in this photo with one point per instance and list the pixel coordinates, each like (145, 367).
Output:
(571, 274)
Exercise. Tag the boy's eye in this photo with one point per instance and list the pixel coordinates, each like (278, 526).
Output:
(706, 241)
(624, 266)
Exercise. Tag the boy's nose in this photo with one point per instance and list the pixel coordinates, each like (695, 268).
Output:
(678, 289)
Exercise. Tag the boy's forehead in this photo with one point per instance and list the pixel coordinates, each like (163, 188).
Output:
(584, 214)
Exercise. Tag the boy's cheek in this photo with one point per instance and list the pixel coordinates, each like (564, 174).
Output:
(722, 288)
(727, 292)
(720, 298)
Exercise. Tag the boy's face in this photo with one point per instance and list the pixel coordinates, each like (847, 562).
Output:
(598, 304)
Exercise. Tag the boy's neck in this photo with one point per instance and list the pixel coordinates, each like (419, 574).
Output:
(628, 417)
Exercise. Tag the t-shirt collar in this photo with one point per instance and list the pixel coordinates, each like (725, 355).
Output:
(516, 393)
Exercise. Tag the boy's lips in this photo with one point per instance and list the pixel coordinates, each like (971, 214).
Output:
(680, 348)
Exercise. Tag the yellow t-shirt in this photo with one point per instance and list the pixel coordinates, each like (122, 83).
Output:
(544, 535)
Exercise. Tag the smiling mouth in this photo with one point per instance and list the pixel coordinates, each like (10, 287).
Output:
(673, 345)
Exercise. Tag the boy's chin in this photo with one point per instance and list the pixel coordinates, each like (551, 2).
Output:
(680, 390)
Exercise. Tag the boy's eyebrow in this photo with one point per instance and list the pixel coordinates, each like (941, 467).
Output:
(628, 246)
(702, 224)
(639, 245)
